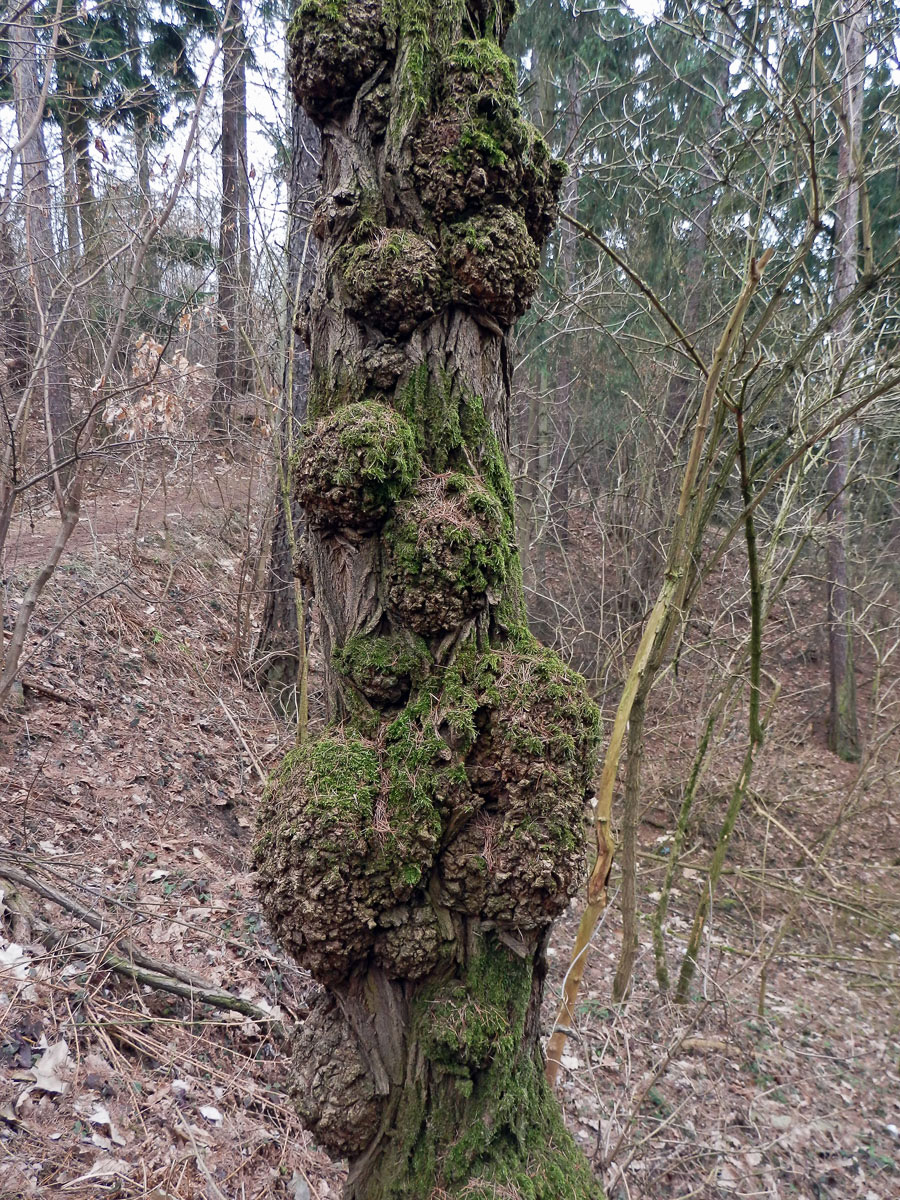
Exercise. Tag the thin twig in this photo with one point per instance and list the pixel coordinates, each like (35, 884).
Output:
(130, 961)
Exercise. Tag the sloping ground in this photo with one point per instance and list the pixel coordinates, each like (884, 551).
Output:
(781, 1078)
(129, 779)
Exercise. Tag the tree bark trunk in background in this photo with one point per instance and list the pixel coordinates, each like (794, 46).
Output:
(278, 632)
(72, 114)
(681, 381)
(151, 296)
(87, 200)
(15, 331)
(245, 368)
(73, 230)
(46, 269)
(414, 856)
(562, 406)
(229, 350)
(843, 723)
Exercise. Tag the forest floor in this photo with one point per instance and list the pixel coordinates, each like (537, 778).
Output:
(129, 775)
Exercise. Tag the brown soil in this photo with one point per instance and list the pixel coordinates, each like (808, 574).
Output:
(129, 780)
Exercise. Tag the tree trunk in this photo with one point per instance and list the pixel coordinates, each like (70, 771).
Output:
(843, 724)
(47, 271)
(415, 855)
(279, 630)
(15, 331)
(682, 376)
(87, 200)
(244, 365)
(151, 282)
(230, 350)
(562, 424)
(70, 187)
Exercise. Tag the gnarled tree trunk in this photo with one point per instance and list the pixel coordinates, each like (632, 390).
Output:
(415, 855)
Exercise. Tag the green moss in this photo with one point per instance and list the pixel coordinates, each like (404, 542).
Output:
(352, 466)
(489, 1121)
(451, 427)
(447, 555)
(332, 10)
(412, 756)
(477, 139)
(432, 409)
(331, 390)
(335, 46)
(422, 31)
(392, 280)
(338, 776)
(483, 59)
(478, 434)
(383, 668)
(493, 260)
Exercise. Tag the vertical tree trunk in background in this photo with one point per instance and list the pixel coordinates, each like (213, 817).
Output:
(245, 368)
(230, 350)
(415, 855)
(72, 113)
(73, 230)
(562, 406)
(15, 332)
(278, 631)
(150, 285)
(46, 270)
(843, 724)
(87, 199)
(681, 380)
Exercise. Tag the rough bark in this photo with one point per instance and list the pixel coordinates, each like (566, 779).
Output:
(843, 724)
(244, 365)
(46, 269)
(73, 231)
(278, 629)
(415, 855)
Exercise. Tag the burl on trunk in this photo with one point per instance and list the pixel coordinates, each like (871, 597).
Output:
(414, 856)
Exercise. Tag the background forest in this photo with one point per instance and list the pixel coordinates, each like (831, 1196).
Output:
(705, 438)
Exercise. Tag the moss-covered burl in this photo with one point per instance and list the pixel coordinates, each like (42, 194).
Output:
(414, 856)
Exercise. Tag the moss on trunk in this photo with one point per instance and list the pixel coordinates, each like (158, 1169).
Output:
(415, 856)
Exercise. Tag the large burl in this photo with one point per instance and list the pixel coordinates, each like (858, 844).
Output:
(414, 855)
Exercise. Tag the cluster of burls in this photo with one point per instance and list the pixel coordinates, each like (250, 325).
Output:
(452, 792)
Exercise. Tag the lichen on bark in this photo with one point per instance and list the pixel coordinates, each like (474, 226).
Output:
(414, 856)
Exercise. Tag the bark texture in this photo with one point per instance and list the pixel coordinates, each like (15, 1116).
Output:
(415, 855)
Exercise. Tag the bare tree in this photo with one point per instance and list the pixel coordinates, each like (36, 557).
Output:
(843, 724)
(282, 616)
(46, 267)
(233, 370)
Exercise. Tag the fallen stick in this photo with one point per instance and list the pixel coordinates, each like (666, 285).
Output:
(98, 922)
(133, 963)
(39, 689)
